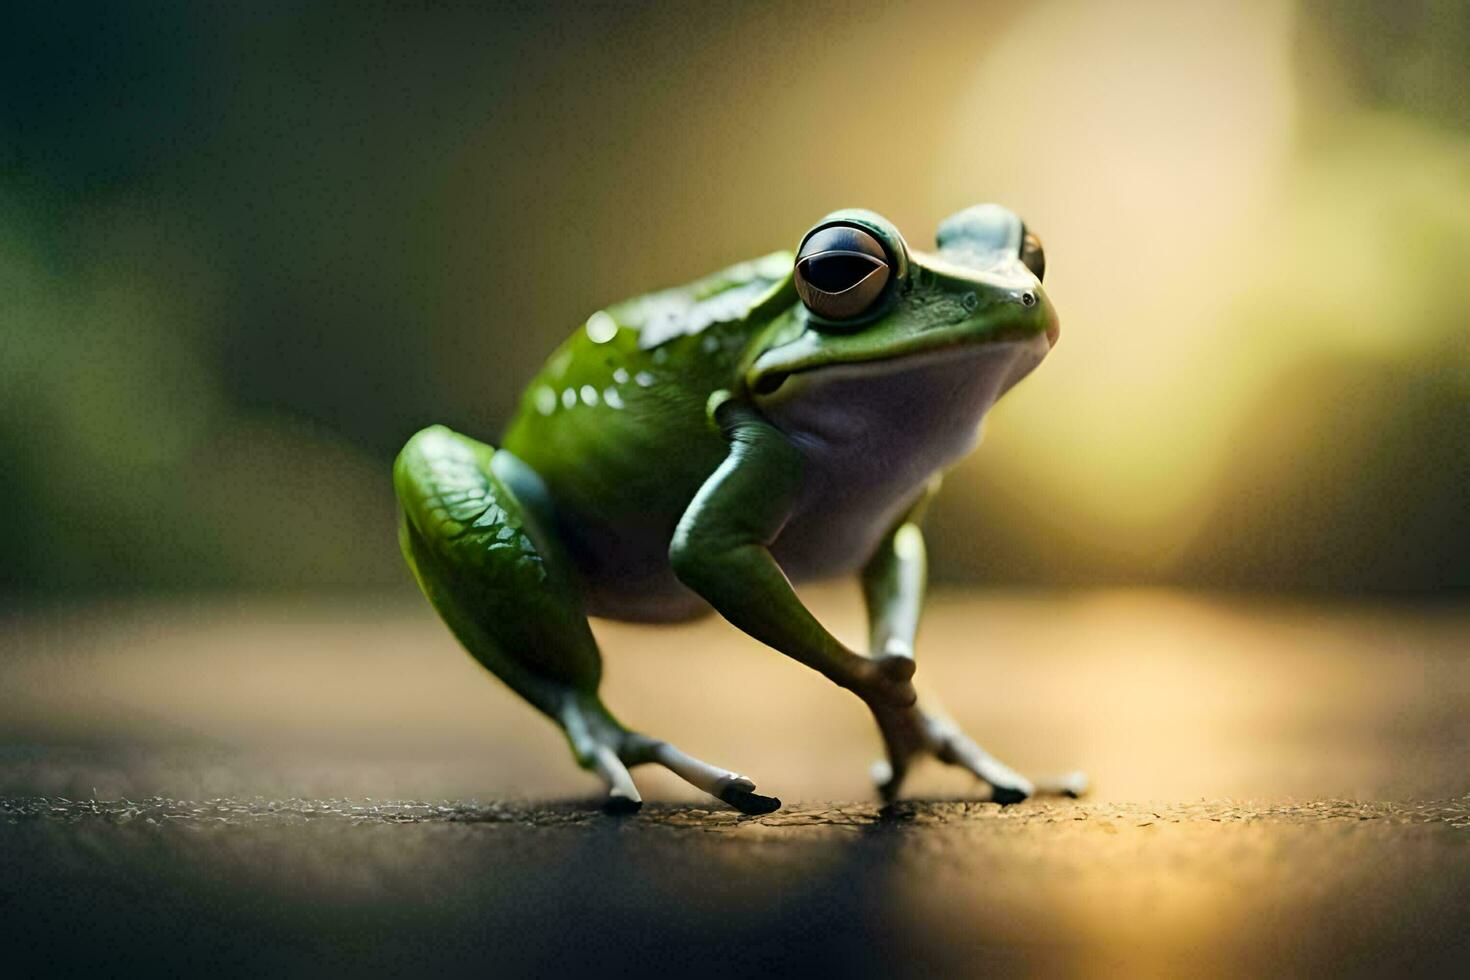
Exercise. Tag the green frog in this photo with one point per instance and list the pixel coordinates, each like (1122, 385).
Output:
(705, 447)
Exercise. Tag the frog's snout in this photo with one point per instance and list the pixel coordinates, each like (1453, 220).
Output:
(1053, 327)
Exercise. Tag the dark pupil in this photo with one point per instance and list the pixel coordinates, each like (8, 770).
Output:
(835, 272)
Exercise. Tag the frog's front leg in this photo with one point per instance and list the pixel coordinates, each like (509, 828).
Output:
(721, 550)
(893, 588)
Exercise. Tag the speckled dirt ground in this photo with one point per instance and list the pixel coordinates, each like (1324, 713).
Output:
(310, 788)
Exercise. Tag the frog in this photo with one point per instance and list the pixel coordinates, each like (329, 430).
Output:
(710, 447)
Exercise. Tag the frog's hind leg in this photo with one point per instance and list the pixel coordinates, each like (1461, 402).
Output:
(473, 531)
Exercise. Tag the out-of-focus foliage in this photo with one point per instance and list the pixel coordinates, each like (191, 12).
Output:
(244, 253)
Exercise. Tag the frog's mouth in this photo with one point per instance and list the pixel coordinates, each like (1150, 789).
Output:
(768, 377)
(1003, 362)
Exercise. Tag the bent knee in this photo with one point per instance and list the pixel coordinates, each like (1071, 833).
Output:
(432, 442)
(441, 477)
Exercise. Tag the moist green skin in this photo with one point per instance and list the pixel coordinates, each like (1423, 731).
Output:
(666, 446)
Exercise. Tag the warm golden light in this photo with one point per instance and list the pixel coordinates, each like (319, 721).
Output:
(1256, 238)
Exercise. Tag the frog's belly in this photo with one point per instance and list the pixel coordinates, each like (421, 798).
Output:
(848, 503)
(839, 538)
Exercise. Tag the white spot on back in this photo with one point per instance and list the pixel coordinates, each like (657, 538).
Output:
(545, 400)
(589, 395)
(601, 327)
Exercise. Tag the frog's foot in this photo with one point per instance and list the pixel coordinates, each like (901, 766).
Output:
(604, 746)
(911, 732)
(615, 755)
(731, 787)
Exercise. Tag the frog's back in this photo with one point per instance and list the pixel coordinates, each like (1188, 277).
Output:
(616, 426)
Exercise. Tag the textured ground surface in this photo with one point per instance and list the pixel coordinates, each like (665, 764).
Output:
(298, 788)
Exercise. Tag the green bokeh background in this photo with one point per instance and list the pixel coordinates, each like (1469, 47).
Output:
(245, 252)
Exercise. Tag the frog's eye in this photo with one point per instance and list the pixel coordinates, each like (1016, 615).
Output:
(1032, 255)
(840, 272)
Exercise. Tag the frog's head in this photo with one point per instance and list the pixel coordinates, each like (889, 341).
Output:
(867, 297)
(883, 329)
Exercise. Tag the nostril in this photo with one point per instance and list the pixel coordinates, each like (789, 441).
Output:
(1028, 298)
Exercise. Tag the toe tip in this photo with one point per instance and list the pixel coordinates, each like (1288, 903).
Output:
(621, 806)
(1006, 795)
(748, 803)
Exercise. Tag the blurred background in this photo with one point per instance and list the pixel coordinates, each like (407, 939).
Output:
(245, 252)
(1216, 547)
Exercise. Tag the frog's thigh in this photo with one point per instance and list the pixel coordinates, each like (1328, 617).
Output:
(492, 574)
